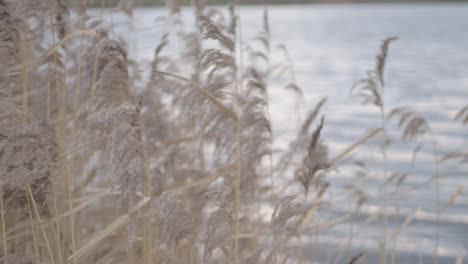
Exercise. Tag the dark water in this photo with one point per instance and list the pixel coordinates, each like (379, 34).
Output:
(332, 46)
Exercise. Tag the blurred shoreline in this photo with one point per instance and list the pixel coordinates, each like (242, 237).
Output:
(153, 3)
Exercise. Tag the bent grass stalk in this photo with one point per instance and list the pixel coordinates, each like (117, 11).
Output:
(97, 238)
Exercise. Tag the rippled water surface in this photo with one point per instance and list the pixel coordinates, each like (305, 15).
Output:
(332, 46)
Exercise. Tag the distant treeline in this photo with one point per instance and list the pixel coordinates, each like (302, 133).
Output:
(259, 2)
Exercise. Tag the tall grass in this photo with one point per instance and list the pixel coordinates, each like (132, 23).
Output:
(98, 166)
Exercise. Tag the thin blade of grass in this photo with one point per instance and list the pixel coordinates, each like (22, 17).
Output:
(122, 220)
(361, 141)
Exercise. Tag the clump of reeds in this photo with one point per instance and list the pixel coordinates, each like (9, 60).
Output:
(185, 154)
(29, 155)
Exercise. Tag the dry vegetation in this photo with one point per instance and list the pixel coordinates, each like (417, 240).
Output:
(98, 166)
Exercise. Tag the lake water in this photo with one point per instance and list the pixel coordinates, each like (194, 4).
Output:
(332, 46)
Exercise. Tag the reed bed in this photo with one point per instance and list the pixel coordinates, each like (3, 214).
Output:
(99, 166)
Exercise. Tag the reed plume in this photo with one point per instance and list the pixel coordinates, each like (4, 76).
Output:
(114, 117)
(28, 156)
(371, 88)
(462, 115)
(176, 221)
